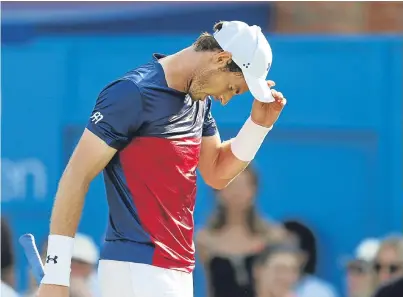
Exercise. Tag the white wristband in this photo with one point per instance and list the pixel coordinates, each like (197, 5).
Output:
(58, 260)
(248, 141)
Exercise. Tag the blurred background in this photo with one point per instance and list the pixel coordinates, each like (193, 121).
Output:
(328, 177)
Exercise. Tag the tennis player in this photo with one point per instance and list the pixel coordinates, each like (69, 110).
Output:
(149, 132)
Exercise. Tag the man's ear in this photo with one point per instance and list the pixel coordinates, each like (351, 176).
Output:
(222, 59)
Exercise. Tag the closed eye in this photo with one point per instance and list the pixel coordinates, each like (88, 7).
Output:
(237, 91)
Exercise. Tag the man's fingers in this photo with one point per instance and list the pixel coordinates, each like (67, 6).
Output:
(281, 100)
(271, 83)
(279, 97)
(284, 101)
(275, 93)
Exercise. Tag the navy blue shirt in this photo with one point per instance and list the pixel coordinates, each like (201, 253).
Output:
(393, 288)
(151, 181)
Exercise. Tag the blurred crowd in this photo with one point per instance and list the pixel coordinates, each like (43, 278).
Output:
(244, 254)
(83, 282)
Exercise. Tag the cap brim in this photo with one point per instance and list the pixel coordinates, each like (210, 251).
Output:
(259, 88)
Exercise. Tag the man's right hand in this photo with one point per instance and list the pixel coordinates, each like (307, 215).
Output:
(52, 291)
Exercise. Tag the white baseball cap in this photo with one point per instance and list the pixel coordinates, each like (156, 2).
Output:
(85, 249)
(251, 52)
(364, 253)
(367, 249)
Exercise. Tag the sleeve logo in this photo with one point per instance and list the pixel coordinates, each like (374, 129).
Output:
(96, 117)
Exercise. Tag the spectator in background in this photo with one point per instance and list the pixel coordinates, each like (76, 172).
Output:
(84, 282)
(389, 260)
(7, 261)
(234, 237)
(392, 289)
(359, 271)
(277, 270)
(309, 285)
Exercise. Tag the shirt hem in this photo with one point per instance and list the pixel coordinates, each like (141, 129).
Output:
(136, 252)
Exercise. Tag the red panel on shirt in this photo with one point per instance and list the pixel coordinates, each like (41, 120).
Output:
(161, 175)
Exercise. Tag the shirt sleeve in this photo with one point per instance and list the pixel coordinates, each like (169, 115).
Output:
(117, 114)
(209, 125)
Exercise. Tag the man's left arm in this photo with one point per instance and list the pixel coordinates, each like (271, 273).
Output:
(220, 162)
(218, 165)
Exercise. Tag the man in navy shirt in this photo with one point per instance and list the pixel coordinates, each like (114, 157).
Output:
(149, 132)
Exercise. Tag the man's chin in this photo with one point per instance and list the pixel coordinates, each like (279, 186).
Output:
(195, 97)
(199, 98)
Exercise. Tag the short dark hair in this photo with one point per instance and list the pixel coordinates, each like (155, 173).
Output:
(7, 251)
(207, 43)
(273, 249)
(307, 243)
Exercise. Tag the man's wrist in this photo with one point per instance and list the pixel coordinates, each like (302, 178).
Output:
(259, 125)
(248, 141)
(58, 260)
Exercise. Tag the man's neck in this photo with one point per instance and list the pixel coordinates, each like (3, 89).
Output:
(180, 68)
